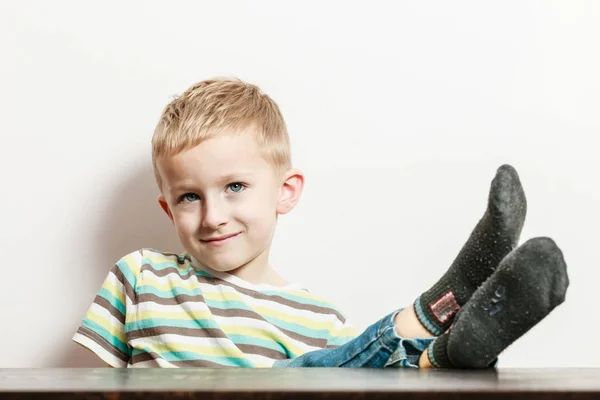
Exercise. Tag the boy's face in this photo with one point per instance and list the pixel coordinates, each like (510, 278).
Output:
(224, 198)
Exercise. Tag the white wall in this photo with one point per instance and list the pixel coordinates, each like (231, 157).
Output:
(399, 115)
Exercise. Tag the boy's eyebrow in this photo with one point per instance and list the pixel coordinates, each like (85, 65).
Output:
(235, 176)
(180, 187)
(227, 178)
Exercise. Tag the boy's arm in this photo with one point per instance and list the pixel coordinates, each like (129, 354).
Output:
(103, 328)
(81, 357)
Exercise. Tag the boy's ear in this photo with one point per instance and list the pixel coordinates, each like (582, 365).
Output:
(293, 184)
(165, 206)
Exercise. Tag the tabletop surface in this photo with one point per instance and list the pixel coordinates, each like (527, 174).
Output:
(307, 380)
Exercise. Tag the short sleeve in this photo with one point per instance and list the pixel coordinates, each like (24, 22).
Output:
(344, 332)
(103, 328)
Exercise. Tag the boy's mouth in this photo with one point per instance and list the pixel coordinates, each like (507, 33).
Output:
(219, 240)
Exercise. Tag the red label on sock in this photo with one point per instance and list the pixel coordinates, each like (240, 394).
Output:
(445, 307)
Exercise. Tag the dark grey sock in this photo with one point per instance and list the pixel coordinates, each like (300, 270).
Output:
(496, 234)
(529, 283)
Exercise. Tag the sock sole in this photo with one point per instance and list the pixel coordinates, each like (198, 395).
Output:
(529, 283)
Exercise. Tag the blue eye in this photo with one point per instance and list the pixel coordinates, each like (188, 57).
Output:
(189, 198)
(235, 187)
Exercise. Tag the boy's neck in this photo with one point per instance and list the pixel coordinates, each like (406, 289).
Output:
(266, 276)
(258, 271)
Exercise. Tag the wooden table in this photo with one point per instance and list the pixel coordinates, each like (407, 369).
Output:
(317, 383)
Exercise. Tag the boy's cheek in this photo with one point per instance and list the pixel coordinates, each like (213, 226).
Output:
(185, 224)
(256, 212)
(259, 204)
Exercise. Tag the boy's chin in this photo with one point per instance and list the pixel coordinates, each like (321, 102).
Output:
(223, 267)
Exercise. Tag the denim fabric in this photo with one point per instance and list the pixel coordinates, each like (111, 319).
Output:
(377, 347)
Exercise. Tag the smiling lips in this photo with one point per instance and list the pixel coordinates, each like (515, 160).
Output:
(219, 240)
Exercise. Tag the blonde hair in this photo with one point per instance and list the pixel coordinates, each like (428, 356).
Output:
(213, 106)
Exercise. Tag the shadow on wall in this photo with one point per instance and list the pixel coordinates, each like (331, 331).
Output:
(133, 221)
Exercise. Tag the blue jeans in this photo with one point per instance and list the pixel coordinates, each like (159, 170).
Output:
(377, 347)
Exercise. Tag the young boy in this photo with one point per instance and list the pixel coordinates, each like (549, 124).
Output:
(222, 163)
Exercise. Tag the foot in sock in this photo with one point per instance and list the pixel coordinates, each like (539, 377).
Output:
(529, 283)
(496, 235)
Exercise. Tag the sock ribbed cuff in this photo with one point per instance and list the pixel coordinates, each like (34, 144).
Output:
(438, 354)
(425, 321)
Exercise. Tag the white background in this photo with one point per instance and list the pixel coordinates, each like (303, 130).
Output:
(399, 113)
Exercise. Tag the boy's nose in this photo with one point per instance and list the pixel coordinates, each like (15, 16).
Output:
(214, 216)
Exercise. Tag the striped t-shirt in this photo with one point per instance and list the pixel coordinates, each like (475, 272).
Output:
(165, 310)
